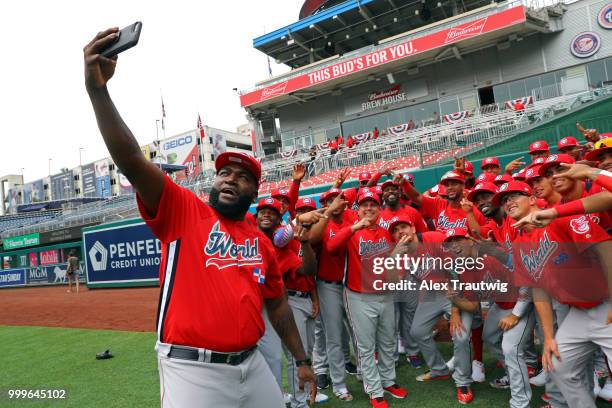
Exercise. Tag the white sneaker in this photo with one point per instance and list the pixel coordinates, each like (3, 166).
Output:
(451, 364)
(606, 391)
(539, 380)
(343, 394)
(320, 398)
(287, 398)
(478, 371)
(596, 386)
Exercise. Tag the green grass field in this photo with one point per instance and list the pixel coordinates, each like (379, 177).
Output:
(52, 358)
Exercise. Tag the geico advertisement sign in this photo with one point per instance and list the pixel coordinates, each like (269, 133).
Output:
(128, 254)
(178, 149)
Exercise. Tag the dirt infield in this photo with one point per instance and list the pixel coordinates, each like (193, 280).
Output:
(130, 309)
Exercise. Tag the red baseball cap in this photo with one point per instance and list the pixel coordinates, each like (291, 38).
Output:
(368, 195)
(555, 160)
(378, 190)
(569, 141)
(280, 192)
(240, 159)
(489, 161)
(480, 187)
(511, 187)
(468, 167)
(502, 178)
(386, 184)
(532, 173)
(454, 233)
(305, 202)
(269, 202)
(539, 146)
(402, 219)
(452, 175)
(409, 178)
(486, 178)
(365, 176)
(537, 162)
(519, 175)
(330, 194)
(603, 145)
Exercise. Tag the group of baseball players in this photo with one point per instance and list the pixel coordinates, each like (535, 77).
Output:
(530, 226)
(299, 278)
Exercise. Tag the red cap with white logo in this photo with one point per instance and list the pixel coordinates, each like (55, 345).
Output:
(240, 159)
(511, 187)
(502, 179)
(480, 187)
(368, 196)
(555, 160)
(452, 175)
(269, 202)
(489, 161)
(365, 176)
(305, 202)
(539, 146)
(569, 141)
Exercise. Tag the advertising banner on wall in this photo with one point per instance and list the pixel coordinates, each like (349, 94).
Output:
(21, 241)
(13, 199)
(103, 187)
(121, 254)
(38, 193)
(50, 274)
(88, 175)
(183, 150)
(395, 52)
(12, 277)
(49, 257)
(62, 185)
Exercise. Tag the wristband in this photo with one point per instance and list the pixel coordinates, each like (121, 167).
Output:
(572, 208)
(306, 362)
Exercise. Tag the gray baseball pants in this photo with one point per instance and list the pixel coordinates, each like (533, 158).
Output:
(579, 336)
(271, 348)
(509, 346)
(406, 304)
(432, 305)
(185, 383)
(372, 318)
(302, 312)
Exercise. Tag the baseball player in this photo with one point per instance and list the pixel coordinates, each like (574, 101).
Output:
(370, 312)
(542, 187)
(405, 306)
(217, 270)
(539, 149)
(330, 277)
(567, 261)
(297, 263)
(288, 198)
(569, 145)
(490, 165)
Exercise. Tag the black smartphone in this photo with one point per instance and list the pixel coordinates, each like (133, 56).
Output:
(126, 39)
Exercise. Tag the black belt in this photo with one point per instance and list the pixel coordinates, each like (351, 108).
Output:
(332, 282)
(298, 294)
(189, 353)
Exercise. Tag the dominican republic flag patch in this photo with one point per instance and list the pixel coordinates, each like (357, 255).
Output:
(259, 276)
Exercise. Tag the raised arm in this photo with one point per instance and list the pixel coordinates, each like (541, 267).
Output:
(411, 192)
(147, 179)
(309, 259)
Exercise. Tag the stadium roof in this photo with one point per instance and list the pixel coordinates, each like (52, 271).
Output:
(354, 24)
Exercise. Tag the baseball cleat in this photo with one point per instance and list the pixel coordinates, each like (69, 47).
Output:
(321, 398)
(596, 386)
(415, 361)
(343, 394)
(428, 377)
(502, 383)
(540, 379)
(464, 395)
(545, 397)
(400, 347)
(287, 398)
(350, 368)
(378, 403)
(396, 391)
(606, 391)
(322, 381)
(478, 371)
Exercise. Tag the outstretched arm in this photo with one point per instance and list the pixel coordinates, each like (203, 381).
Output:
(147, 179)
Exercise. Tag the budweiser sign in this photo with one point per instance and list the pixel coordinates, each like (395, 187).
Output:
(395, 52)
(384, 94)
(470, 30)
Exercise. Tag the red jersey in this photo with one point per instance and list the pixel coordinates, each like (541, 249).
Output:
(387, 215)
(556, 259)
(503, 234)
(211, 268)
(289, 262)
(492, 272)
(430, 246)
(359, 250)
(331, 266)
(445, 216)
(604, 180)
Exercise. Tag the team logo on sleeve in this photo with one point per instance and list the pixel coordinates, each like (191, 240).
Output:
(224, 253)
(535, 260)
(580, 225)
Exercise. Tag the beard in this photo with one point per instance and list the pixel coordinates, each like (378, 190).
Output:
(234, 211)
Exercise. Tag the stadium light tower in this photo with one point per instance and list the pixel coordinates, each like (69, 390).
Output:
(49, 167)
(80, 158)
